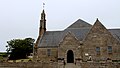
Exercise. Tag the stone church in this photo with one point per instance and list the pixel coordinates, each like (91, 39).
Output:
(80, 41)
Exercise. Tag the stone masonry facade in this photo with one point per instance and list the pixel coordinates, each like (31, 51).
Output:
(80, 45)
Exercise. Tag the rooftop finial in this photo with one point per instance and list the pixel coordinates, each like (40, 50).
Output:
(43, 5)
(97, 20)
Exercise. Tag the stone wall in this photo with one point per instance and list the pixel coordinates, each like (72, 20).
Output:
(58, 65)
(70, 42)
(100, 65)
(28, 65)
(100, 37)
(43, 54)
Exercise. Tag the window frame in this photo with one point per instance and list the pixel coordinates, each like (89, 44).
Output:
(48, 52)
(98, 50)
(109, 49)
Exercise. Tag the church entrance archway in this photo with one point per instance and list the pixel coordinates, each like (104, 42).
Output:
(70, 56)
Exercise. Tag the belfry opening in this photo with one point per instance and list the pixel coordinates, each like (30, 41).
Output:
(70, 56)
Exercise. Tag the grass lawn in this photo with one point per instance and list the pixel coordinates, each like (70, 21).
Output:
(21, 60)
(2, 55)
(1, 58)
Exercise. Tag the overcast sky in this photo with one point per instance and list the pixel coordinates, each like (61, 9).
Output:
(20, 18)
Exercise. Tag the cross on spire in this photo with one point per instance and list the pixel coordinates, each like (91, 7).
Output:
(43, 5)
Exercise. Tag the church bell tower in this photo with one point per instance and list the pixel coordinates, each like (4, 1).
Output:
(42, 28)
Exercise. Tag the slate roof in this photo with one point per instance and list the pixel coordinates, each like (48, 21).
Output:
(51, 39)
(80, 29)
(115, 33)
(79, 24)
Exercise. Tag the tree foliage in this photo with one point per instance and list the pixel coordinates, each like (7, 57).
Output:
(20, 48)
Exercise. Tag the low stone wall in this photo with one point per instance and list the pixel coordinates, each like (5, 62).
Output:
(58, 65)
(28, 65)
(100, 65)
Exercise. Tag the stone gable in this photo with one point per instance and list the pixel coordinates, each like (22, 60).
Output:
(69, 42)
(100, 38)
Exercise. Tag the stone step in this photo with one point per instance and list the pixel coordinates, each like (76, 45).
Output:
(71, 65)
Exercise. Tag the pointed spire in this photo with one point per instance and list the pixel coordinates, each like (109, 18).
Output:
(43, 15)
(42, 29)
(43, 12)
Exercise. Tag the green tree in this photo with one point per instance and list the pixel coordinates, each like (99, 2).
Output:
(20, 48)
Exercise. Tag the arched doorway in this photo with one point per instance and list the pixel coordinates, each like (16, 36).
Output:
(70, 56)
